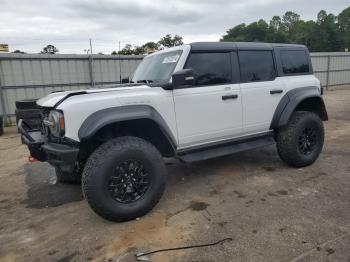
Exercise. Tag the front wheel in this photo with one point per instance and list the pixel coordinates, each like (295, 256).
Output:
(124, 178)
(300, 142)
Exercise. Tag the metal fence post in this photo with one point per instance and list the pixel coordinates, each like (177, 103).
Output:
(91, 68)
(2, 100)
(328, 71)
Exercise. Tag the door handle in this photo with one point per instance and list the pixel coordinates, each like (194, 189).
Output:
(229, 97)
(276, 91)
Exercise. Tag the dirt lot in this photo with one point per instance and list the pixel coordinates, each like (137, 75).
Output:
(272, 212)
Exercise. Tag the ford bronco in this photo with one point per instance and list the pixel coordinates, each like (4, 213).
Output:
(191, 102)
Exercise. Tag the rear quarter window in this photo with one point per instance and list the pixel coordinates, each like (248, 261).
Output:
(256, 66)
(294, 62)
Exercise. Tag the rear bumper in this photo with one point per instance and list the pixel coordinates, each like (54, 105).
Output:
(61, 155)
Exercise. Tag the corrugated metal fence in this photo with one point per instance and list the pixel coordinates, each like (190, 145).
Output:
(333, 69)
(33, 76)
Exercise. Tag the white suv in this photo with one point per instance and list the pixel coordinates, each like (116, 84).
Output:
(191, 102)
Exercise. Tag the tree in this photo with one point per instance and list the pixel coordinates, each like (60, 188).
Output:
(275, 23)
(302, 33)
(344, 27)
(49, 49)
(235, 34)
(254, 32)
(127, 50)
(344, 20)
(151, 47)
(139, 50)
(169, 41)
(321, 16)
(327, 33)
(276, 31)
(18, 52)
(257, 31)
(290, 19)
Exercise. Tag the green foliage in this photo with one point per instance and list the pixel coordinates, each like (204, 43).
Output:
(328, 33)
(150, 47)
(49, 49)
(169, 41)
(127, 50)
(344, 26)
(18, 52)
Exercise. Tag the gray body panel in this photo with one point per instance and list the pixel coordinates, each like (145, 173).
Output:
(290, 101)
(107, 116)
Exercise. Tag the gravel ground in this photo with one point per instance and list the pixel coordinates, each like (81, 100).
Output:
(270, 211)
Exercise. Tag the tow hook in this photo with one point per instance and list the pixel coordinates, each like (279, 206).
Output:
(32, 159)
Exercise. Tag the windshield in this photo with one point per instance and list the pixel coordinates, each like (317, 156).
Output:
(156, 68)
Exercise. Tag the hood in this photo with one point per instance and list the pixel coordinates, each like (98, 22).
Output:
(53, 99)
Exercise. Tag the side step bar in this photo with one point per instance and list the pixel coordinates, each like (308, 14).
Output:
(226, 149)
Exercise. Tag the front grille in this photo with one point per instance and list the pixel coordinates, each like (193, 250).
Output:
(45, 115)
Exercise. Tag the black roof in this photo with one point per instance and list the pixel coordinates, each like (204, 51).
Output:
(230, 46)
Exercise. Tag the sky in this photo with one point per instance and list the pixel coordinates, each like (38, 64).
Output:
(69, 24)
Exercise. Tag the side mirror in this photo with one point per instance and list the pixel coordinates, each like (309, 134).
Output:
(183, 78)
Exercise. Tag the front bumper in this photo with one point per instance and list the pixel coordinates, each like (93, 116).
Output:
(60, 155)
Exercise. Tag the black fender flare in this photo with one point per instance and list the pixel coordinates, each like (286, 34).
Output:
(104, 117)
(289, 103)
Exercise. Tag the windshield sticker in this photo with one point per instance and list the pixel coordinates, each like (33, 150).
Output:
(171, 59)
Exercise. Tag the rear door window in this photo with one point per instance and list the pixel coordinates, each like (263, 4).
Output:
(210, 68)
(256, 66)
(295, 62)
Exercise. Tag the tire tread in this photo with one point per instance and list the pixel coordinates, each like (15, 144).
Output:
(94, 162)
(285, 147)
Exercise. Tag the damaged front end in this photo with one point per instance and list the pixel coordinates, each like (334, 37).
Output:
(48, 143)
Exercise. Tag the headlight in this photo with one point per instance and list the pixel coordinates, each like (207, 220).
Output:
(56, 123)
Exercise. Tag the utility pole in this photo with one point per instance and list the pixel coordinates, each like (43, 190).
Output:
(91, 66)
(90, 46)
(120, 65)
(2, 104)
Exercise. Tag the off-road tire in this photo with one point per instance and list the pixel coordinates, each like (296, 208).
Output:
(100, 167)
(27, 104)
(288, 139)
(67, 178)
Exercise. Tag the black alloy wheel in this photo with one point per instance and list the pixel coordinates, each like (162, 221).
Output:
(129, 181)
(307, 140)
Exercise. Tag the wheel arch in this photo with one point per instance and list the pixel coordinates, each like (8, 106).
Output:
(138, 120)
(300, 99)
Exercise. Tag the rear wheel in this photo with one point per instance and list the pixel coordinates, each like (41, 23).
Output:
(124, 178)
(300, 142)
